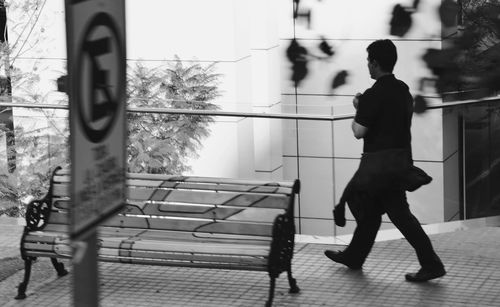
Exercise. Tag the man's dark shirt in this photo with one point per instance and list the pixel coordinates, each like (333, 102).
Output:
(386, 110)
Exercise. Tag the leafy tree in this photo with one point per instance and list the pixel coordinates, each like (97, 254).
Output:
(472, 60)
(481, 41)
(37, 150)
(158, 143)
(20, 21)
(25, 29)
(162, 143)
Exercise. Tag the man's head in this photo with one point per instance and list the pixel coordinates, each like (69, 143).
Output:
(382, 57)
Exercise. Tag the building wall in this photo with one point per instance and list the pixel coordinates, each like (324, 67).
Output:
(324, 155)
(266, 98)
(205, 31)
(247, 39)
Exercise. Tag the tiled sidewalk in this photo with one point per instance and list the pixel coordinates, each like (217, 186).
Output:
(472, 258)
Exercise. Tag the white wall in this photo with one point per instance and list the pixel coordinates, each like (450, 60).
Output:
(325, 156)
(207, 31)
(248, 40)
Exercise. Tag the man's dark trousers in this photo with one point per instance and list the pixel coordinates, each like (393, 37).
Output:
(367, 209)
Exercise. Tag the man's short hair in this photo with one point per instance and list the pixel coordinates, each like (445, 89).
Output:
(384, 52)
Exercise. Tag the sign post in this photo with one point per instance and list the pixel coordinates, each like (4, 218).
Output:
(95, 33)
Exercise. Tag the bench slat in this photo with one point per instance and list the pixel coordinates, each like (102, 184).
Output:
(179, 224)
(62, 187)
(59, 250)
(61, 203)
(58, 218)
(64, 176)
(205, 211)
(199, 248)
(42, 238)
(112, 237)
(193, 225)
(164, 262)
(61, 190)
(167, 235)
(260, 261)
(175, 250)
(231, 181)
(61, 176)
(194, 211)
(61, 228)
(210, 186)
(39, 247)
(35, 253)
(151, 249)
(196, 196)
(122, 232)
(204, 197)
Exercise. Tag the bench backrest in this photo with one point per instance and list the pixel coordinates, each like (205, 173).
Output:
(190, 204)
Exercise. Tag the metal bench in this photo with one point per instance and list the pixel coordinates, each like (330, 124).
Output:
(176, 221)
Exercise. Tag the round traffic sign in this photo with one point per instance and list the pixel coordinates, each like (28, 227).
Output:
(100, 72)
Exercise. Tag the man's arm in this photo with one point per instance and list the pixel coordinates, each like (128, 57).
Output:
(358, 130)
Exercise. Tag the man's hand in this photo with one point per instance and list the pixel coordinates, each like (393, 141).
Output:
(355, 101)
(358, 130)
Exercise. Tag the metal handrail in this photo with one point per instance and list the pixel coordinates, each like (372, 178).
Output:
(462, 102)
(249, 114)
(196, 112)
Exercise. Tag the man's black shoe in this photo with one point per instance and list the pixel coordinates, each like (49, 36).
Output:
(339, 258)
(425, 275)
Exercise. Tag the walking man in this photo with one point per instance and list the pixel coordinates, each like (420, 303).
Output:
(383, 120)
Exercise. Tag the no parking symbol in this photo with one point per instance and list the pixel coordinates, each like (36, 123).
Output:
(100, 73)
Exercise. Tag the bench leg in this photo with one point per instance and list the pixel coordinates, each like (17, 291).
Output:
(293, 282)
(272, 284)
(21, 289)
(59, 266)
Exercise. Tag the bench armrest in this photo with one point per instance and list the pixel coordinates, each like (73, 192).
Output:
(37, 214)
(38, 210)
